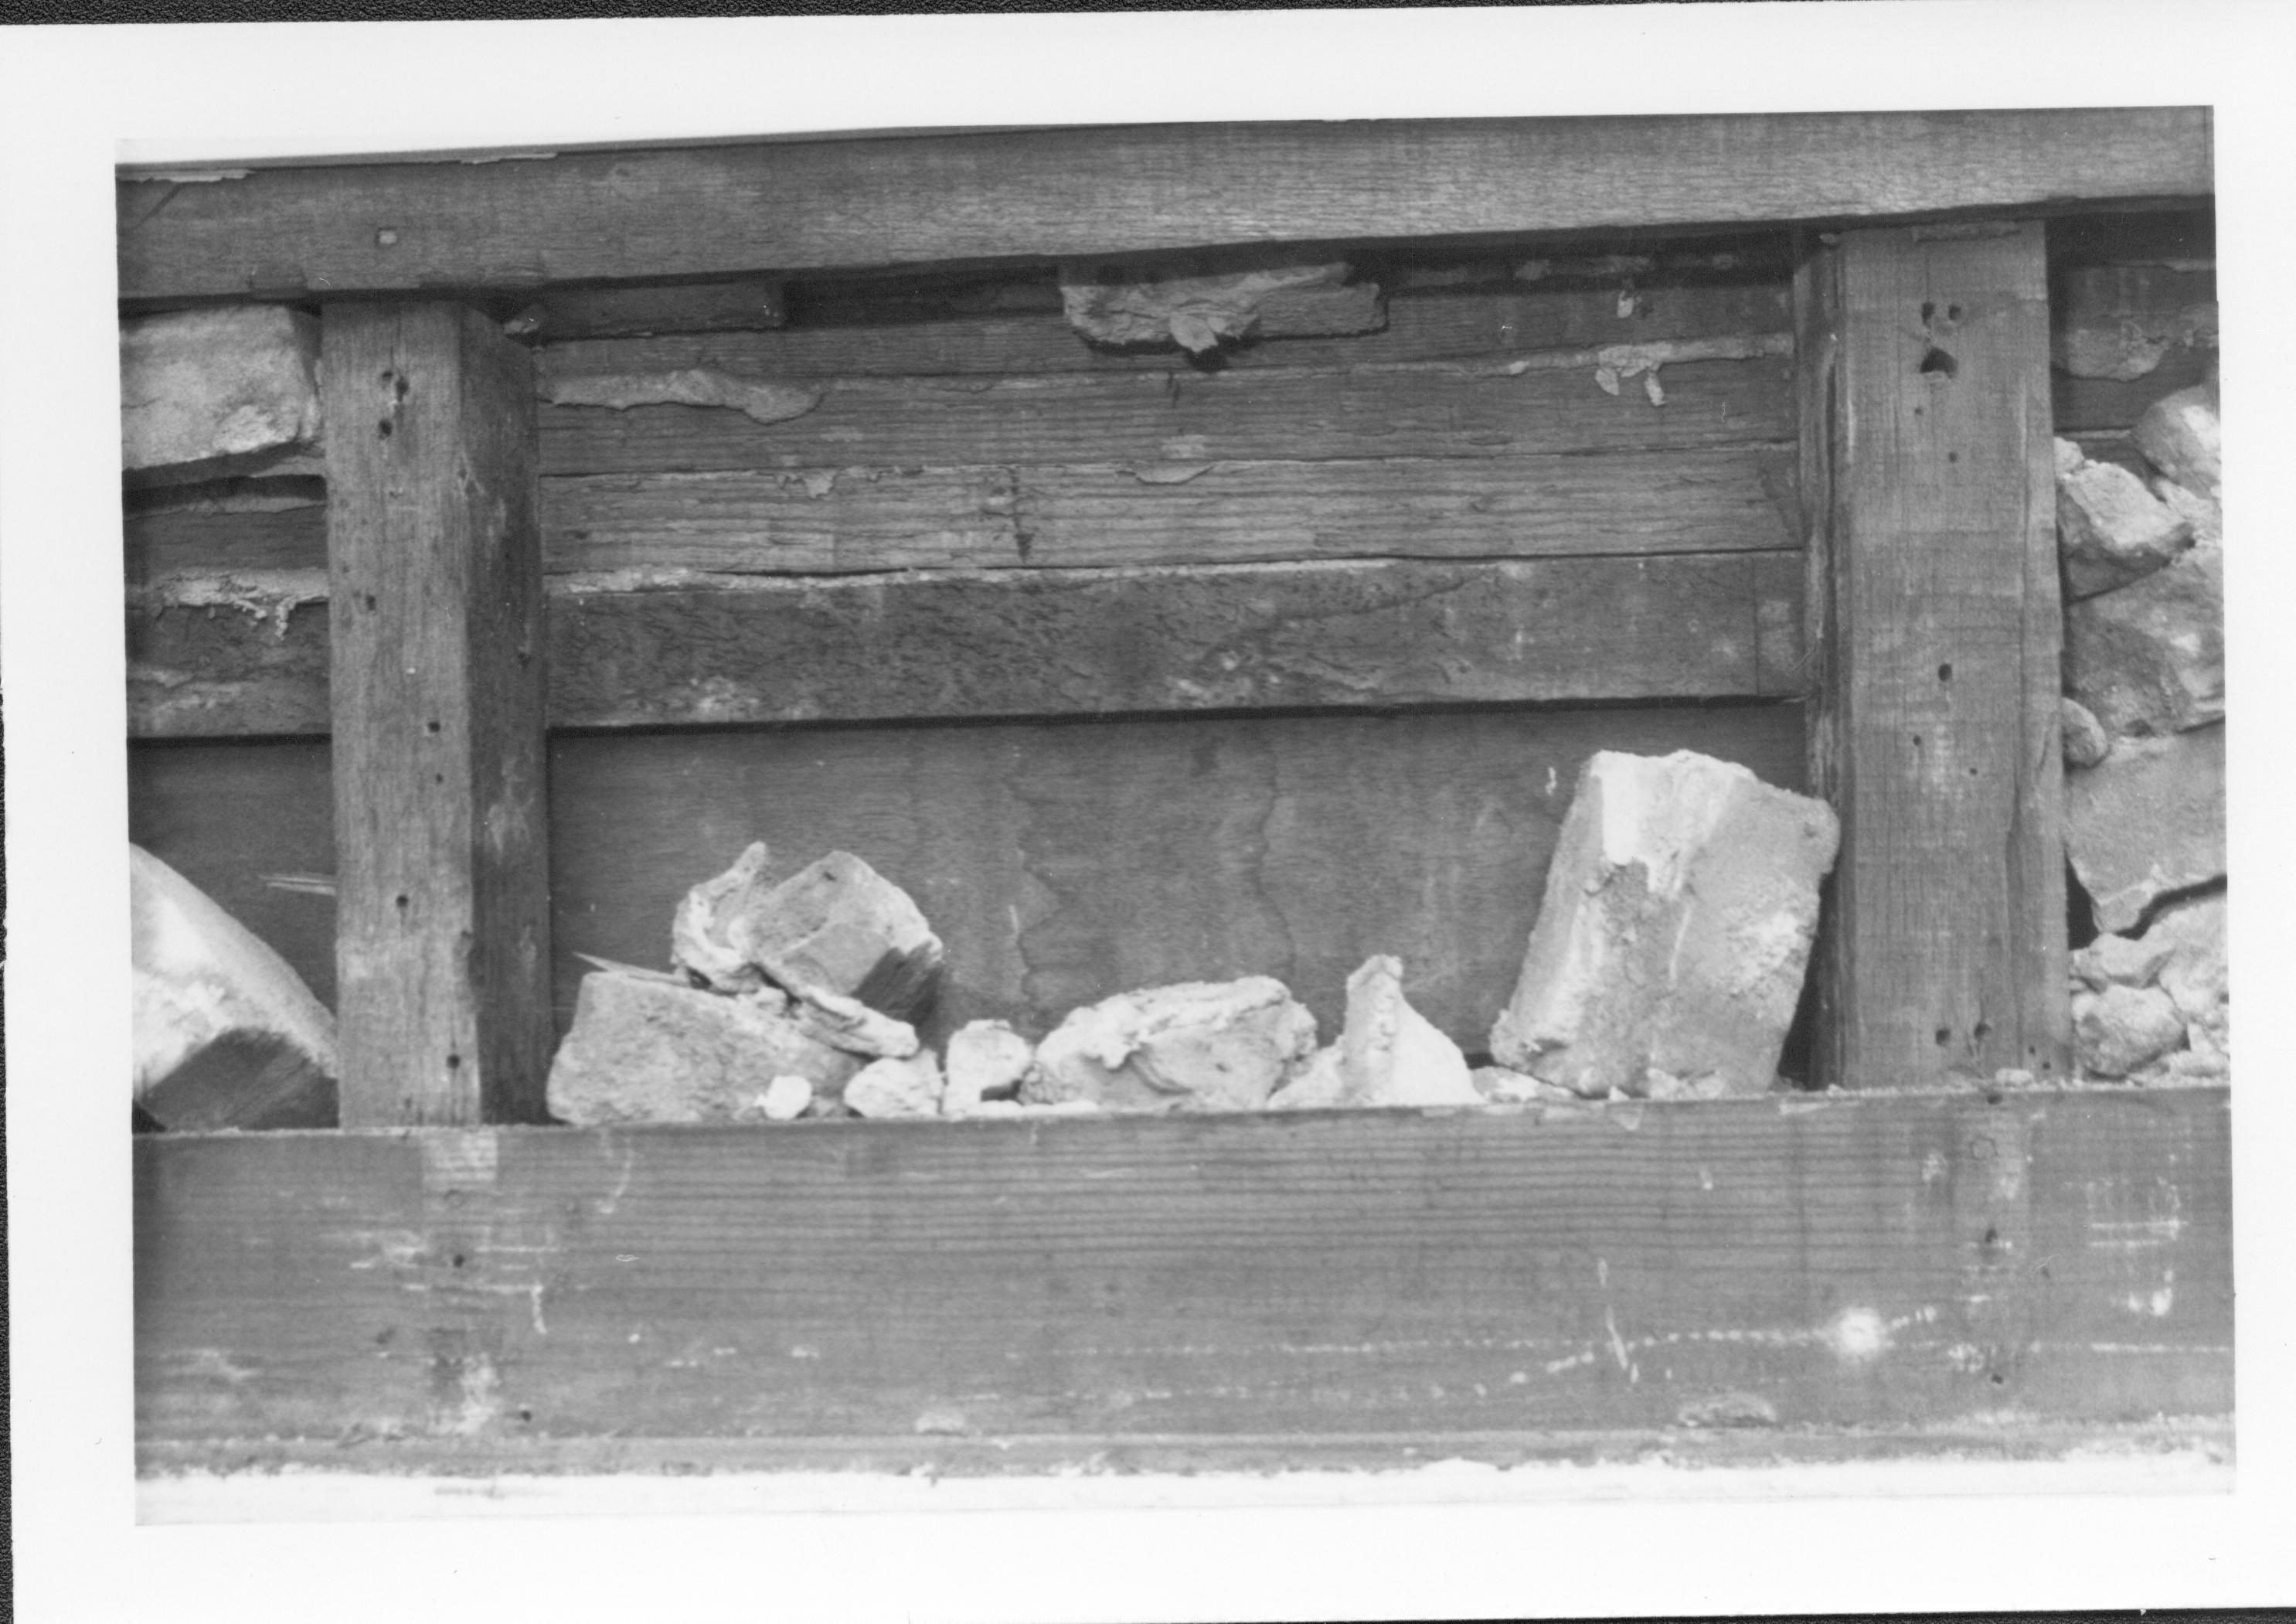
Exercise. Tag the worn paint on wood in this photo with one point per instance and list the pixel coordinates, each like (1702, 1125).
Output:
(1358, 1279)
(1933, 561)
(792, 206)
(436, 692)
(1060, 863)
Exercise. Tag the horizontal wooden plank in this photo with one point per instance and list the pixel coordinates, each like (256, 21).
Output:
(628, 650)
(1720, 500)
(1757, 1265)
(731, 210)
(1547, 405)
(1060, 863)
(1432, 326)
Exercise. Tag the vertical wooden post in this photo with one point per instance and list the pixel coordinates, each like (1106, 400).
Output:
(1928, 486)
(435, 611)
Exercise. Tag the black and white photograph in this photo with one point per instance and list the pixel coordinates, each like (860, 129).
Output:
(1437, 826)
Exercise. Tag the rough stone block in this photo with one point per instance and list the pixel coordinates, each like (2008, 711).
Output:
(2147, 820)
(2183, 437)
(2087, 742)
(785, 1098)
(836, 925)
(207, 393)
(227, 1035)
(2190, 938)
(910, 1088)
(2119, 961)
(1199, 313)
(2149, 658)
(2122, 1027)
(850, 1025)
(2204, 514)
(645, 1049)
(2110, 530)
(1197, 1046)
(986, 1060)
(1674, 930)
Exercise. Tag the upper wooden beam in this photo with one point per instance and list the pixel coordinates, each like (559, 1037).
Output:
(334, 230)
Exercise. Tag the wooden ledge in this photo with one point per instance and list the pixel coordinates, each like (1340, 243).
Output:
(2042, 1268)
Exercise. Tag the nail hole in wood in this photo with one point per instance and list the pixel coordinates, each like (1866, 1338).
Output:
(1952, 313)
(454, 1062)
(1928, 310)
(1944, 671)
(368, 600)
(1938, 363)
(402, 902)
(429, 728)
(1944, 1035)
(382, 428)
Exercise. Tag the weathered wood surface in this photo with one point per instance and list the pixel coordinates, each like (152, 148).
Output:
(1060, 863)
(1465, 409)
(728, 649)
(684, 308)
(1934, 735)
(436, 692)
(1721, 500)
(730, 210)
(1425, 1282)
(860, 336)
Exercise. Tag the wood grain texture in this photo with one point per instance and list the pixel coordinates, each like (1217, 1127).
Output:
(879, 338)
(1479, 409)
(1948, 1261)
(1060, 863)
(436, 698)
(1936, 737)
(733, 211)
(732, 649)
(1726, 499)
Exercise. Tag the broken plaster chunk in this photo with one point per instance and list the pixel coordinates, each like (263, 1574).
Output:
(2123, 1028)
(1315, 1086)
(2183, 437)
(1390, 1054)
(2147, 820)
(210, 393)
(2119, 961)
(985, 1060)
(836, 925)
(227, 1035)
(759, 398)
(1199, 1046)
(850, 1025)
(1674, 930)
(2111, 530)
(645, 1050)
(2149, 658)
(1201, 312)
(2085, 740)
(785, 1098)
(909, 1087)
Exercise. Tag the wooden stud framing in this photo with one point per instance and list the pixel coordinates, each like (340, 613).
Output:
(435, 576)
(1934, 613)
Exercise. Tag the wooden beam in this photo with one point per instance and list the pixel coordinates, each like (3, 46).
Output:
(436, 691)
(733, 210)
(1725, 390)
(1232, 1289)
(1936, 622)
(1723, 499)
(711, 650)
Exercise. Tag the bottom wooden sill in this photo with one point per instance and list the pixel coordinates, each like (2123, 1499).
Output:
(1848, 1278)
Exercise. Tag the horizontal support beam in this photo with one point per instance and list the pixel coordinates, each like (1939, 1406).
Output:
(334, 230)
(1949, 1261)
(681, 650)
(1735, 498)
